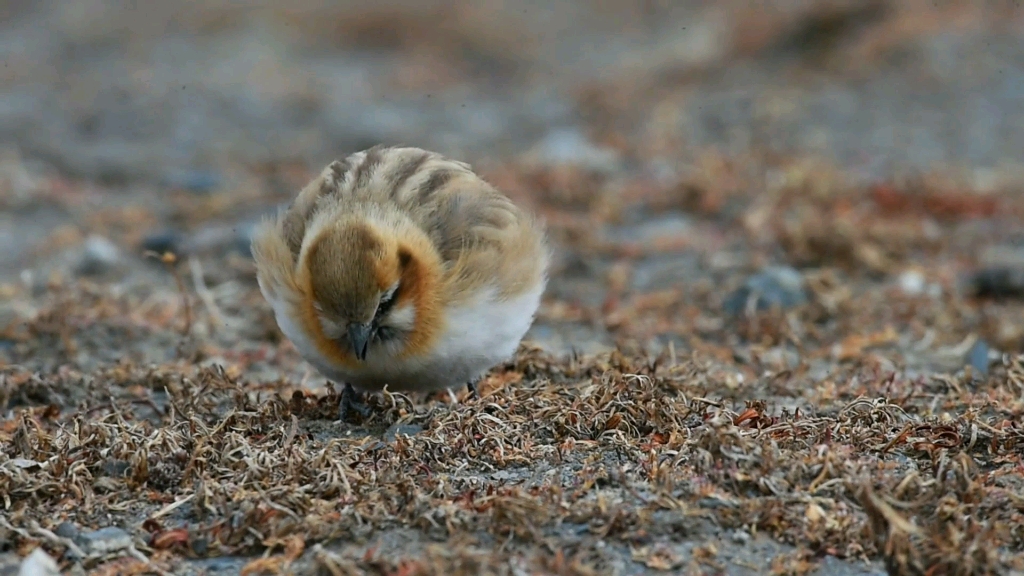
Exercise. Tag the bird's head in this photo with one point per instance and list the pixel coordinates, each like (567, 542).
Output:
(364, 283)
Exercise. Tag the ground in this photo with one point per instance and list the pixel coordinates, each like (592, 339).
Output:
(782, 334)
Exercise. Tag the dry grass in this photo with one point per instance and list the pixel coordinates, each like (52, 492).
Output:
(626, 447)
(844, 427)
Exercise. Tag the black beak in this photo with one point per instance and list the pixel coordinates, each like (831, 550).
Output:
(359, 337)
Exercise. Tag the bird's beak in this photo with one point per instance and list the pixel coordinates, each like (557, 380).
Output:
(359, 337)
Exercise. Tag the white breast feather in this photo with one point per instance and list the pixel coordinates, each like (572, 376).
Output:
(477, 336)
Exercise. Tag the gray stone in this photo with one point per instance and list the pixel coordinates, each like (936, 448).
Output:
(912, 282)
(404, 429)
(220, 239)
(99, 255)
(198, 181)
(10, 562)
(1001, 273)
(775, 286)
(163, 241)
(104, 541)
(715, 502)
(978, 357)
(68, 530)
(571, 146)
(39, 563)
(741, 537)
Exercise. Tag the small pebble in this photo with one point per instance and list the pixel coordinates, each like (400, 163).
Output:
(666, 226)
(25, 463)
(221, 239)
(243, 238)
(105, 541)
(977, 357)
(198, 181)
(210, 565)
(780, 358)
(10, 562)
(740, 537)
(99, 255)
(7, 345)
(1001, 273)
(780, 286)
(715, 502)
(404, 429)
(115, 468)
(998, 283)
(912, 282)
(163, 241)
(68, 530)
(571, 146)
(39, 563)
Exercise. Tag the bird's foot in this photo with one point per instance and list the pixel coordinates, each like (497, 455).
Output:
(351, 402)
(471, 387)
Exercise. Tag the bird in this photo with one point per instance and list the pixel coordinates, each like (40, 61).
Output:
(400, 267)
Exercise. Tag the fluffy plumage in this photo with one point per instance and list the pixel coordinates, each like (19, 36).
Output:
(400, 267)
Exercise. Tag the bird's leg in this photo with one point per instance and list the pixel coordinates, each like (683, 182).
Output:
(351, 401)
(471, 387)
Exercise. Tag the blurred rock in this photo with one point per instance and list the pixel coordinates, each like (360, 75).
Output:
(199, 181)
(243, 237)
(104, 541)
(780, 358)
(978, 357)
(1000, 273)
(741, 536)
(779, 286)
(115, 468)
(404, 429)
(912, 282)
(714, 502)
(998, 283)
(99, 255)
(571, 146)
(669, 226)
(19, 186)
(68, 530)
(163, 241)
(12, 313)
(39, 563)
(9, 562)
(220, 239)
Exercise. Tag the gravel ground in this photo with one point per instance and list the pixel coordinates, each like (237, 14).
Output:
(783, 333)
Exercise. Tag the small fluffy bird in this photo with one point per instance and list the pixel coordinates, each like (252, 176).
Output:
(401, 267)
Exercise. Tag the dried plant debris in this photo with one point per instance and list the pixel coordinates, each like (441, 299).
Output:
(583, 452)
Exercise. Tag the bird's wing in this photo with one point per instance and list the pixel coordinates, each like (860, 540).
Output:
(482, 237)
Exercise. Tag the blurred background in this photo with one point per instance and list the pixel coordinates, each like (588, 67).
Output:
(675, 148)
(173, 91)
(816, 200)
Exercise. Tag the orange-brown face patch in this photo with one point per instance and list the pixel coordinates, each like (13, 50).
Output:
(387, 270)
(420, 283)
(355, 295)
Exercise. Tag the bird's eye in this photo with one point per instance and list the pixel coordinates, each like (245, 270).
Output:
(387, 300)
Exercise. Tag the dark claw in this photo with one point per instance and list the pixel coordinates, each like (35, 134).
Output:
(471, 386)
(351, 401)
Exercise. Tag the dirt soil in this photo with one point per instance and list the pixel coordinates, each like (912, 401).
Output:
(783, 333)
